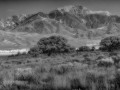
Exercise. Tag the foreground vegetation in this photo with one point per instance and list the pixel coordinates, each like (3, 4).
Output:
(66, 69)
(81, 71)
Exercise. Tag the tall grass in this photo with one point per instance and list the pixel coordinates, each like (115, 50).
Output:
(67, 80)
(61, 74)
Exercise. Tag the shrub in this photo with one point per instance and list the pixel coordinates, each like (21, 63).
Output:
(84, 48)
(15, 87)
(107, 62)
(116, 59)
(62, 69)
(34, 52)
(110, 43)
(27, 78)
(50, 45)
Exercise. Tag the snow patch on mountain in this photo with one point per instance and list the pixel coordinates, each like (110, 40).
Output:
(99, 12)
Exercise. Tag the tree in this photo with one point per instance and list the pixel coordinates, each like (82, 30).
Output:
(110, 43)
(52, 44)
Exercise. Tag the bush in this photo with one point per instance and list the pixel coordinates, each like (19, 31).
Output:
(62, 69)
(116, 59)
(15, 87)
(27, 78)
(34, 51)
(110, 43)
(106, 62)
(50, 45)
(84, 48)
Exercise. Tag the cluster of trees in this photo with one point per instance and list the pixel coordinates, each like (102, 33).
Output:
(59, 44)
(110, 43)
(50, 45)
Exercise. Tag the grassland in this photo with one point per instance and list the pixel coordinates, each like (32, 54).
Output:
(75, 71)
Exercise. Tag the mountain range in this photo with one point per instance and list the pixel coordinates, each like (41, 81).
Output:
(75, 22)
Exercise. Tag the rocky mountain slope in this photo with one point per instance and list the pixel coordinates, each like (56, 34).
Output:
(75, 22)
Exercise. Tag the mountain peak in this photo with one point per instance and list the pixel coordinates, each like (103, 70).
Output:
(66, 8)
(79, 9)
(73, 9)
(70, 7)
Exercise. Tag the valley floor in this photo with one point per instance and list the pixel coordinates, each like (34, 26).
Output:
(76, 71)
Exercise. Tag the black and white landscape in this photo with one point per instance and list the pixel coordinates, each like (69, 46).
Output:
(60, 45)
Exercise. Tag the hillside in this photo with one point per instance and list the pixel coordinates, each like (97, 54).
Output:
(77, 23)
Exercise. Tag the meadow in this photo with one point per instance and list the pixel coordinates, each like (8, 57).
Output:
(93, 70)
